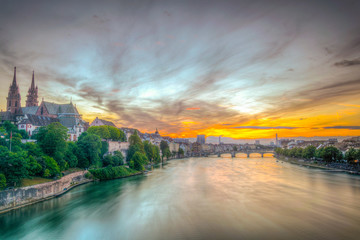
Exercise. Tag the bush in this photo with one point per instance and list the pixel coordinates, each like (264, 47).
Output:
(2, 181)
(112, 172)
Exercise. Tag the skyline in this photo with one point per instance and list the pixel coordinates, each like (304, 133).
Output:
(246, 69)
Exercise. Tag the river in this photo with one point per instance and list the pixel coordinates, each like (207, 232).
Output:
(200, 198)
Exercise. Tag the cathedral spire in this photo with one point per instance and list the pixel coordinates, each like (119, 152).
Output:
(32, 82)
(14, 80)
(32, 97)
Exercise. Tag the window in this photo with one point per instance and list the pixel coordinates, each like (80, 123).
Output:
(15, 103)
(42, 110)
(9, 103)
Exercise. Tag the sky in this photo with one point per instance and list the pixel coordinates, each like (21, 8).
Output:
(240, 69)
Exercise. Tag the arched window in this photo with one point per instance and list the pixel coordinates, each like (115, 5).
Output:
(42, 110)
(9, 103)
(15, 103)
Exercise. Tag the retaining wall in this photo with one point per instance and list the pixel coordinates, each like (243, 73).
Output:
(14, 198)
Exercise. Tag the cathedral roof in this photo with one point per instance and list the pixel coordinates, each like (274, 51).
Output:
(54, 108)
(29, 110)
(37, 120)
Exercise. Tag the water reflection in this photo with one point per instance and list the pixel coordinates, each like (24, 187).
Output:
(200, 198)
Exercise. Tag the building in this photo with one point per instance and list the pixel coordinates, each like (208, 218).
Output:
(181, 140)
(101, 122)
(32, 116)
(30, 123)
(200, 139)
(257, 142)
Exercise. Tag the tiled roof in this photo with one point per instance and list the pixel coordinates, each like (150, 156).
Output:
(54, 108)
(7, 116)
(29, 110)
(108, 123)
(36, 120)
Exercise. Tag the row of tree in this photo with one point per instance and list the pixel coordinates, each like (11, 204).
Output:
(328, 154)
(52, 153)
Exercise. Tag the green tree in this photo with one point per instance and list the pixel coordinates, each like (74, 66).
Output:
(34, 168)
(52, 140)
(163, 146)
(13, 165)
(150, 151)
(181, 152)
(90, 148)
(70, 154)
(351, 155)
(331, 154)
(101, 131)
(2, 181)
(135, 139)
(309, 152)
(51, 165)
(136, 145)
(139, 160)
(33, 149)
(113, 160)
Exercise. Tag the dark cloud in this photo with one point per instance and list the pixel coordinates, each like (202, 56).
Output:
(262, 128)
(347, 63)
(344, 127)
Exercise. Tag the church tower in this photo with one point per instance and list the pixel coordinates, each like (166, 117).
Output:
(14, 98)
(32, 97)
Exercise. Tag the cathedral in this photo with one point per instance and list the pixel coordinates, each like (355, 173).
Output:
(33, 116)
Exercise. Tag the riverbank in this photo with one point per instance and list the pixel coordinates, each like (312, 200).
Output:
(24, 196)
(334, 167)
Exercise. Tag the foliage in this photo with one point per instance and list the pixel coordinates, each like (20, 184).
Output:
(70, 154)
(34, 168)
(309, 152)
(152, 152)
(112, 172)
(113, 160)
(104, 148)
(139, 160)
(52, 140)
(51, 168)
(33, 149)
(331, 154)
(108, 132)
(89, 149)
(13, 165)
(351, 155)
(181, 152)
(2, 181)
(136, 145)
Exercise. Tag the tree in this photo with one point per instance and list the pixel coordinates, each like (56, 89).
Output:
(163, 146)
(101, 131)
(139, 159)
(52, 140)
(234, 148)
(135, 139)
(150, 151)
(51, 168)
(113, 160)
(70, 154)
(13, 165)
(331, 154)
(351, 155)
(181, 152)
(33, 149)
(136, 145)
(90, 148)
(2, 181)
(34, 168)
(309, 152)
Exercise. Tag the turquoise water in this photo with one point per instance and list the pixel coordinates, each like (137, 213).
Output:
(200, 198)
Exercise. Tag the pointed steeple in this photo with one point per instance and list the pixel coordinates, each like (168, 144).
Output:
(32, 97)
(32, 82)
(14, 80)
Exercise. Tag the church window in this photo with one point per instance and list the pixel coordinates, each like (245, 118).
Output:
(42, 110)
(9, 103)
(15, 103)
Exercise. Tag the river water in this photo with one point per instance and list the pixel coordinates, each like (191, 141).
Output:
(200, 198)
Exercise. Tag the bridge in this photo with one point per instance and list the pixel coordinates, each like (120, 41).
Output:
(262, 152)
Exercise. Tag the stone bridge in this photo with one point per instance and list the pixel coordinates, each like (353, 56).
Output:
(246, 152)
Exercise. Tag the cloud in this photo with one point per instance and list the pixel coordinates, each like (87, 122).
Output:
(264, 128)
(344, 127)
(347, 63)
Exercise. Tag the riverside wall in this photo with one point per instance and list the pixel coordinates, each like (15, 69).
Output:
(19, 197)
